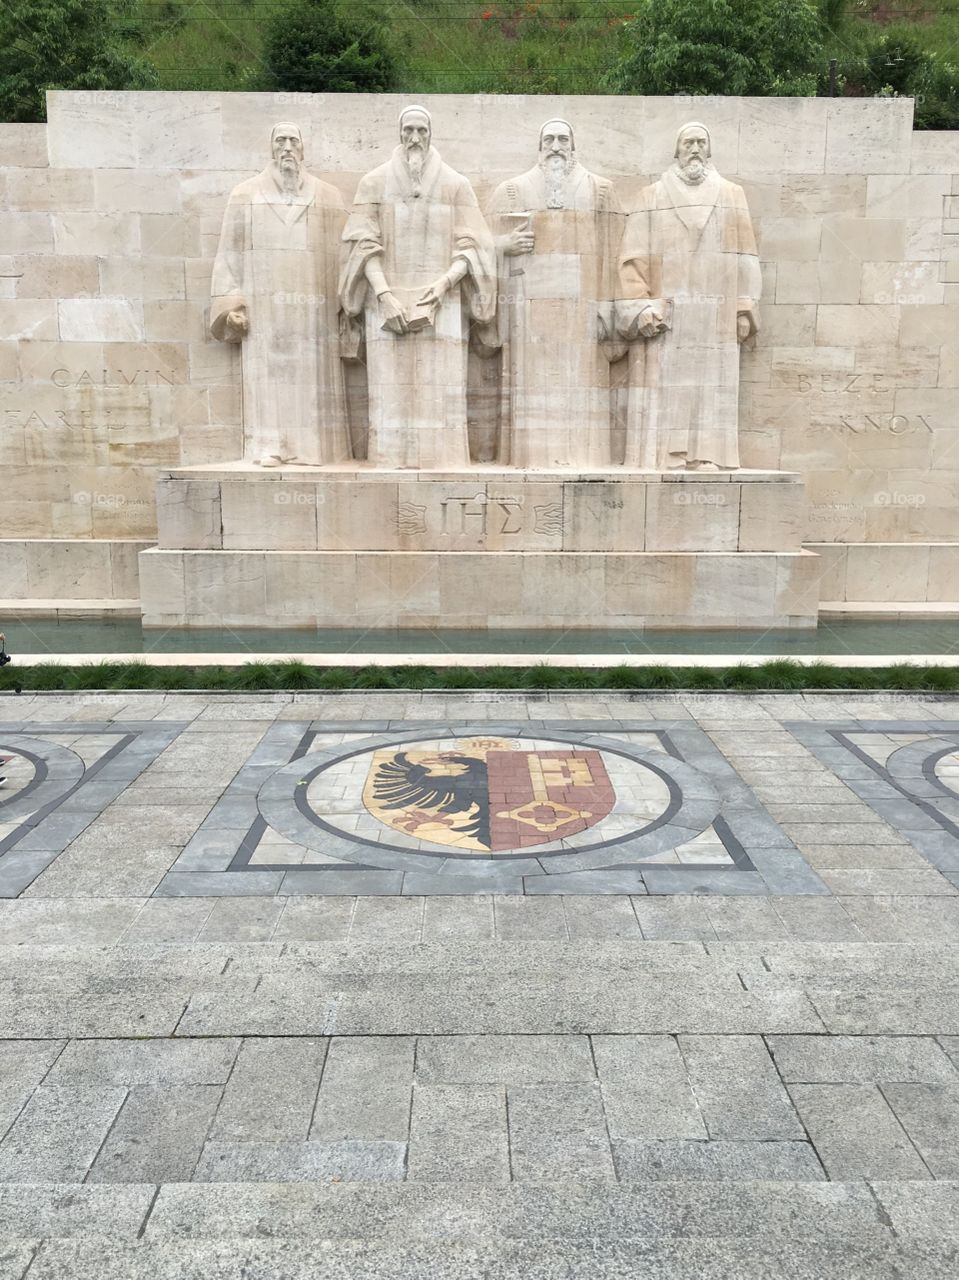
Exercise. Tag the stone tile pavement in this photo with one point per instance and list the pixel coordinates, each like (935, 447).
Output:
(721, 1077)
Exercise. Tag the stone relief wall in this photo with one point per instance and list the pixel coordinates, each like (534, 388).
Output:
(110, 217)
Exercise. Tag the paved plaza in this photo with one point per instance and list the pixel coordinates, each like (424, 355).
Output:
(409, 986)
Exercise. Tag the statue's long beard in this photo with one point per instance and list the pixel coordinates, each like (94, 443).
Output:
(415, 161)
(694, 171)
(288, 170)
(556, 168)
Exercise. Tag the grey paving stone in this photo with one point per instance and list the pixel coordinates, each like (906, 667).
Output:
(861, 1060)
(173, 920)
(216, 884)
(843, 833)
(458, 1133)
(366, 1090)
(291, 1160)
(45, 1015)
(738, 1088)
(58, 1134)
(532, 1003)
(710, 1161)
(566, 1260)
(66, 1209)
(588, 1211)
(20, 867)
(243, 920)
(871, 883)
(386, 884)
(24, 1063)
(138, 1063)
(887, 1009)
(315, 919)
(929, 1113)
(921, 1209)
(272, 1090)
(447, 917)
(609, 917)
(97, 922)
(951, 1046)
(678, 918)
(905, 919)
(815, 919)
(492, 1059)
(522, 918)
(423, 884)
(855, 1133)
(747, 919)
(394, 917)
(158, 1134)
(722, 881)
(863, 858)
(645, 1088)
(622, 880)
(558, 1131)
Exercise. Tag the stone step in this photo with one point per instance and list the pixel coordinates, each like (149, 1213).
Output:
(588, 1259)
(884, 611)
(85, 610)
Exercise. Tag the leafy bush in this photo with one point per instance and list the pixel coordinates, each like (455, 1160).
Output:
(66, 44)
(317, 46)
(753, 47)
(896, 63)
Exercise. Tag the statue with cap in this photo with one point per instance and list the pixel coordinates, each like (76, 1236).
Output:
(558, 229)
(690, 285)
(273, 293)
(420, 272)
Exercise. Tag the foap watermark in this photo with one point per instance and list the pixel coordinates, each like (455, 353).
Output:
(107, 501)
(300, 299)
(898, 498)
(298, 497)
(699, 498)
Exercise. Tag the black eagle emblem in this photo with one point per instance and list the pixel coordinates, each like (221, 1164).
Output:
(457, 788)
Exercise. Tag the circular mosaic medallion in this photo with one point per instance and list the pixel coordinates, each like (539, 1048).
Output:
(428, 801)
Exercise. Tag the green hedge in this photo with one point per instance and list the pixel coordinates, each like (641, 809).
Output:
(292, 675)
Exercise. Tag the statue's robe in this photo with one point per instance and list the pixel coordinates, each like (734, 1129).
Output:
(278, 256)
(417, 380)
(694, 247)
(555, 319)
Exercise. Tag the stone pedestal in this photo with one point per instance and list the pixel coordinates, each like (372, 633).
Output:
(484, 548)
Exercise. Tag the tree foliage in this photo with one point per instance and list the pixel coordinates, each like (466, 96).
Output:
(66, 44)
(319, 46)
(896, 63)
(752, 47)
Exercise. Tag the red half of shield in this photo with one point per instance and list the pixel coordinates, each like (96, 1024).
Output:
(539, 796)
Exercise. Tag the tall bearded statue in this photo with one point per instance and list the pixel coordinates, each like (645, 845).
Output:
(274, 291)
(689, 243)
(421, 269)
(558, 229)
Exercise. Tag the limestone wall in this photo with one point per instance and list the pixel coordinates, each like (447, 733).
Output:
(109, 217)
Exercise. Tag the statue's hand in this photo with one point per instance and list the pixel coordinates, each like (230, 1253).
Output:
(653, 323)
(434, 295)
(519, 241)
(237, 325)
(744, 326)
(394, 317)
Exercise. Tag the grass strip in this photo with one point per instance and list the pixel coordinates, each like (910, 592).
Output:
(780, 675)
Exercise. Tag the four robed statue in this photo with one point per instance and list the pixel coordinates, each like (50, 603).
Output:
(560, 280)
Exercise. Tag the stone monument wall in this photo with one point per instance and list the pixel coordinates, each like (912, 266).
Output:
(109, 219)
